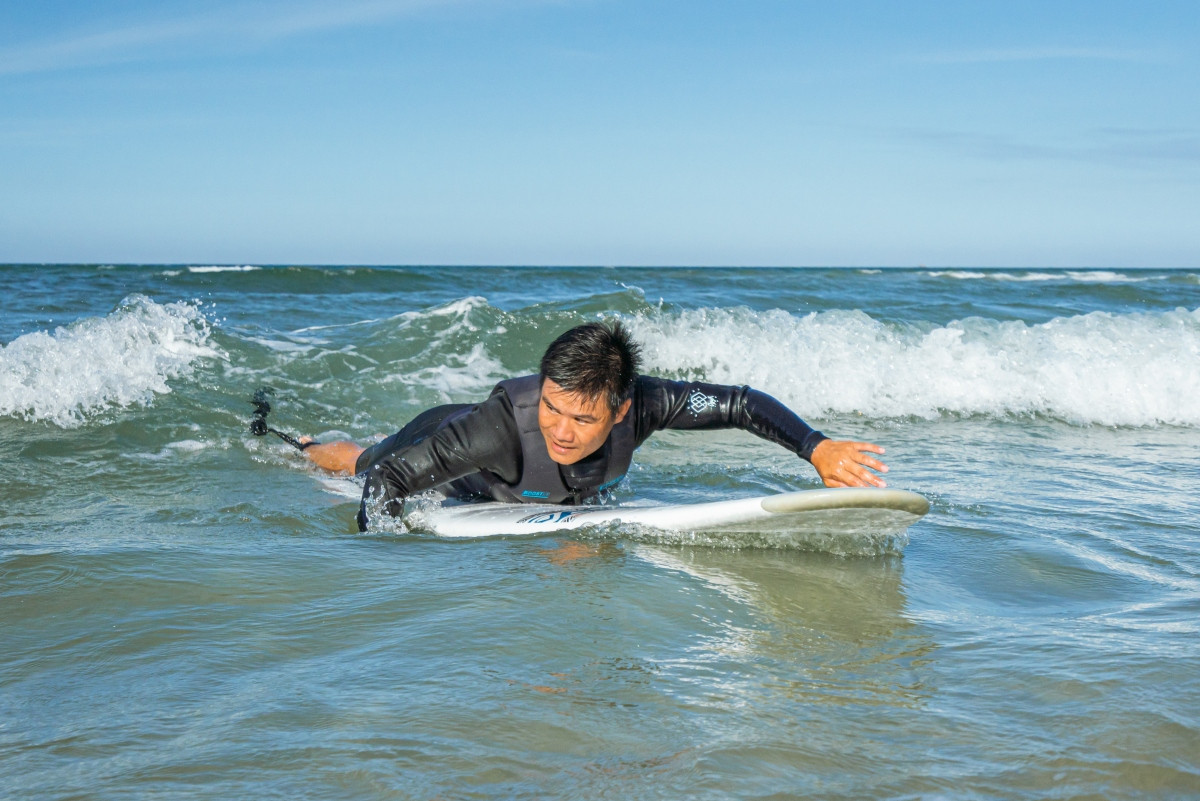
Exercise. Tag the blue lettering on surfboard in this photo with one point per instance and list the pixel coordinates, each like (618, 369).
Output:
(548, 517)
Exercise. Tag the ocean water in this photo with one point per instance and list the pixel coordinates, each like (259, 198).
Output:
(187, 611)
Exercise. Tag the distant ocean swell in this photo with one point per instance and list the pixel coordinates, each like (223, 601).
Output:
(1133, 369)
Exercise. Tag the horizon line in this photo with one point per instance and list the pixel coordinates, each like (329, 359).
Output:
(581, 266)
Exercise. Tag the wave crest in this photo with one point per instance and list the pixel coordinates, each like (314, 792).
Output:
(97, 363)
(1092, 369)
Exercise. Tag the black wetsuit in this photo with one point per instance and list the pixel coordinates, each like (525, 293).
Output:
(494, 450)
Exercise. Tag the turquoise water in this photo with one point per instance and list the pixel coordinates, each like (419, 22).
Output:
(186, 611)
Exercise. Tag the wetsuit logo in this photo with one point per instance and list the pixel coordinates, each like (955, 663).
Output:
(698, 402)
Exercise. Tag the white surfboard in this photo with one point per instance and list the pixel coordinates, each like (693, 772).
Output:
(818, 511)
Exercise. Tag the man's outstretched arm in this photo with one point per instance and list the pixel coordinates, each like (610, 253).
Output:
(697, 405)
(337, 457)
(839, 463)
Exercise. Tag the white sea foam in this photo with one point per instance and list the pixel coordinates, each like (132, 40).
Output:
(97, 363)
(971, 275)
(173, 450)
(1106, 277)
(456, 373)
(224, 269)
(294, 346)
(1085, 276)
(1118, 370)
(460, 375)
(962, 275)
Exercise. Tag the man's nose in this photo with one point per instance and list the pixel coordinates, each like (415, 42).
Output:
(563, 431)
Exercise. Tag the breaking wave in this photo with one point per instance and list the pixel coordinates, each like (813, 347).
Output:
(98, 363)
(1094, 369)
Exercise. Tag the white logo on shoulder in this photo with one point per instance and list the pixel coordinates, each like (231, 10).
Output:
(699, 402)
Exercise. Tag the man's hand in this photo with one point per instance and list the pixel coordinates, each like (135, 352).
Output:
(842, 463)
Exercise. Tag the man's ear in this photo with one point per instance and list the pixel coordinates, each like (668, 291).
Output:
(624, 410)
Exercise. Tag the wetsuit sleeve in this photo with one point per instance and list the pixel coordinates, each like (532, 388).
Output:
(484, 439)
(661, 404)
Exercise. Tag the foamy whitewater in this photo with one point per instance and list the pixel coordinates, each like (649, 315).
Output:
(189, 612)
(1132, 369)
(1136, 369)
(93, 364)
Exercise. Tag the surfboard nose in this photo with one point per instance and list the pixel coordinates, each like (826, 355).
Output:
(847, 498)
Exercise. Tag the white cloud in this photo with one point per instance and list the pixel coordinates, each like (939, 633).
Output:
(1044, 53)
(1116, 147)
(229, 24)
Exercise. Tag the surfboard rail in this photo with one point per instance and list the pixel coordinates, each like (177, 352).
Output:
(859, 508)
(847, 498)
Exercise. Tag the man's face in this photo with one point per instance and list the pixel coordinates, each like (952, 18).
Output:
(574, 427)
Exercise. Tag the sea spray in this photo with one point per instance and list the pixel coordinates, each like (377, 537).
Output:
(1101, 368)
(97, 363)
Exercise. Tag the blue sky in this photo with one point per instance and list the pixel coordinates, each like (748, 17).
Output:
(601, 132)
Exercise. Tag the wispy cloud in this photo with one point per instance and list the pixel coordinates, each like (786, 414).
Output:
(233, 24)
(1040, 53)
(1125, 147)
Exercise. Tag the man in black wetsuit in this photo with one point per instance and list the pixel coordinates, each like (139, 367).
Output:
(567, 434)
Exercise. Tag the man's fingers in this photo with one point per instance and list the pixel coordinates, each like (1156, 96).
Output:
(873, 480)
(854, 478)
(874, 464)
(857, 475)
